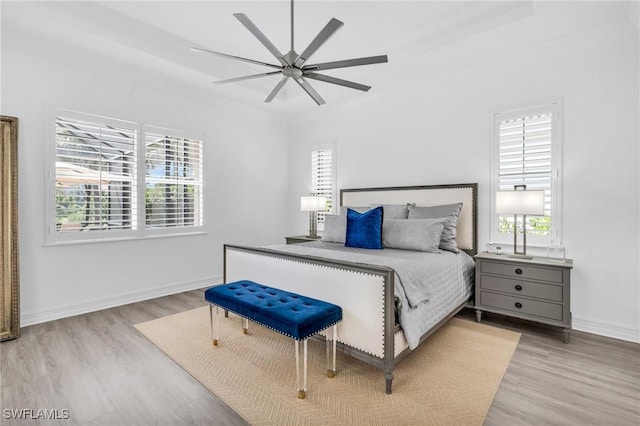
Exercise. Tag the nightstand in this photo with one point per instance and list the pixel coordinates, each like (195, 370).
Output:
(536, 290)
(300, 239)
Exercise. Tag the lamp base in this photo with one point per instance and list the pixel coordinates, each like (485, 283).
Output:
(315, 237)
(520, 256)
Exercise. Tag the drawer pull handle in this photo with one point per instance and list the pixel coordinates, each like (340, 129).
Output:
(518, 287)
(519, 271)
(518, 305)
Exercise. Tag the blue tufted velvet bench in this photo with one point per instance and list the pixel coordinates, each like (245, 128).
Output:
(291, 314)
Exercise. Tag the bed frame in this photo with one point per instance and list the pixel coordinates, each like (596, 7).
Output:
(365, 292)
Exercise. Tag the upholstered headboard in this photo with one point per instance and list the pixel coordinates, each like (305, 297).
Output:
(428, 195)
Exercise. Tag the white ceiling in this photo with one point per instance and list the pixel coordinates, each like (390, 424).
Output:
(156, 35)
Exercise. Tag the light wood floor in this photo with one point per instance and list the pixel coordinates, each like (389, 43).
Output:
(104, 372)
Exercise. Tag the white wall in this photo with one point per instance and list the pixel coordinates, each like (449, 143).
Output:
(243, 146)
(437, 128)
(430, 123)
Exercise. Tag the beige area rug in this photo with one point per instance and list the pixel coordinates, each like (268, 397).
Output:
(451, 379)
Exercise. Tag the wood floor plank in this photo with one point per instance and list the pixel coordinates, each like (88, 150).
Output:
(105, 372)
(593, 380)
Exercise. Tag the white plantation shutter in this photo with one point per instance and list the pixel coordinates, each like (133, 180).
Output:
(528, 153)
(116, 179)
(322, 177)
(173, 181)
(95, 165)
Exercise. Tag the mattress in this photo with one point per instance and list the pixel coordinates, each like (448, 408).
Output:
(428, 286)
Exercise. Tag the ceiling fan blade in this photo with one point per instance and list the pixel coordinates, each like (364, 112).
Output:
(277, 88)
(310, 90)
(246, 77)
(238, 58)
(347, 63)
(338, 81)
(322, 37)
(244, 20)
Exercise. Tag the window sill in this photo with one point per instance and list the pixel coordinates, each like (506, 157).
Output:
(99, 240)
(532, 249)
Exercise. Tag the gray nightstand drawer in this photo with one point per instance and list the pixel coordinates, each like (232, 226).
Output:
(522, 305)
(522, 271)
(521, 287)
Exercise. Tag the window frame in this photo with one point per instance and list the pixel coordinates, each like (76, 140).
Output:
(555, 107)
(139, 231)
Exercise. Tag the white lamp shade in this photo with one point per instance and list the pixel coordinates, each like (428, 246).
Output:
(313, 203)
(520, 202)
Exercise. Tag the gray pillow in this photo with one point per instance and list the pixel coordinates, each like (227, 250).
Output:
(450, 212)
(335, 228)
(394, 211)
(419, 235)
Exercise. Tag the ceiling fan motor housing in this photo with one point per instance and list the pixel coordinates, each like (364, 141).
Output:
(292, 72)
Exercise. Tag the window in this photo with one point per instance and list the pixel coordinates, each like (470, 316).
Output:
(100, 189)
(95, 175)
(527, 151)
(323, 177)
(173, 181)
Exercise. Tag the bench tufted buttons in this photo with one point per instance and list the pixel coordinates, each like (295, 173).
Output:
(291, 314)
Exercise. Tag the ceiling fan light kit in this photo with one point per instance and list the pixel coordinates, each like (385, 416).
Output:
(292, 65)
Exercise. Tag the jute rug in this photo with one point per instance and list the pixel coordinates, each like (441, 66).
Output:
(451, 379)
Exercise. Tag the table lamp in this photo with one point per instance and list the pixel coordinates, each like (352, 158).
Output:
(313, 204)
(519, 201)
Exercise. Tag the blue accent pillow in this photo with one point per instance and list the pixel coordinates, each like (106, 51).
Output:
(364, 230)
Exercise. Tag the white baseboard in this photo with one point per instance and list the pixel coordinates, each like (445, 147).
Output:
(50, 314)
(607, 329)
(602, 328)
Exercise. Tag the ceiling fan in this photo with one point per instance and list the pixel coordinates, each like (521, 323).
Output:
(293, 65)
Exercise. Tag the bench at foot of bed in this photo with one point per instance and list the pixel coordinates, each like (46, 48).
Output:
(291, 314)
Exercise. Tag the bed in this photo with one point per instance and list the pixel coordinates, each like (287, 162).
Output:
(382, 323)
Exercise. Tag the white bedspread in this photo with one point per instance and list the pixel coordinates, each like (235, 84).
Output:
(427, 285)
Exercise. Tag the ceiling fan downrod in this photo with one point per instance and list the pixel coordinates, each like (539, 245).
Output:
(292, 49)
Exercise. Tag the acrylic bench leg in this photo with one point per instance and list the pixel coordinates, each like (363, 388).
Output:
(301, 368)
(245, 326)
(215, 331)
(331, 352)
